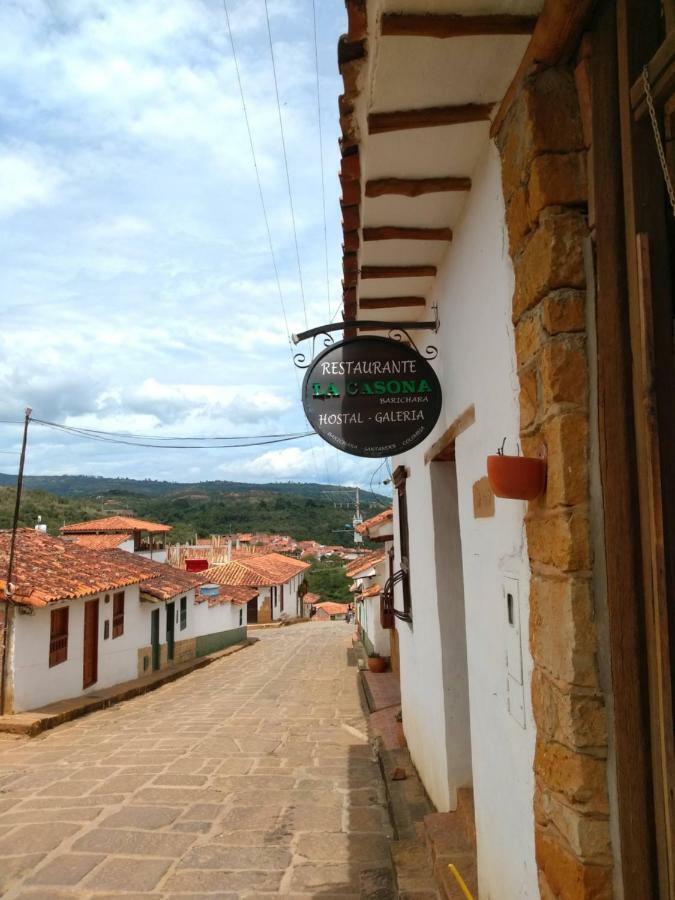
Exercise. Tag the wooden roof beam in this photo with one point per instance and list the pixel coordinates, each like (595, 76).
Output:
(397, 233)
(553, 41)
(432, 117)
(415, 187)
(397, 271)
(390, 302)
(449, 26)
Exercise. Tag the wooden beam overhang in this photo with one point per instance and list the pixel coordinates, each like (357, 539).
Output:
(449, 26)
(390, 302)
(397, 233)
(554, 38)
(431, 117)
(416, 187)
(398, 271)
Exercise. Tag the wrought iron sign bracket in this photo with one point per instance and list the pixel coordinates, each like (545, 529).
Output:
(364, 324)
(398, 331)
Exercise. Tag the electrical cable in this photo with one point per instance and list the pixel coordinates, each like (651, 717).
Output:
(283, 147)
(323, 175)
(262, 202)
(112, 438)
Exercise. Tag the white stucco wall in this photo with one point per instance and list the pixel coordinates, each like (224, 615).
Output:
(214, 619)
(35, 684)
(476, 366)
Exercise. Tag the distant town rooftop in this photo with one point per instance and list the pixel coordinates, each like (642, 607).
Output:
(115, 525)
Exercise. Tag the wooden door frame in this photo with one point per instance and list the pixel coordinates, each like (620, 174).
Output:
(155, 651)
(625, 34)
(89, 604)
(172, 619)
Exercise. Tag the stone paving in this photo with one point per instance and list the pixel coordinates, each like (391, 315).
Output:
(250, 778)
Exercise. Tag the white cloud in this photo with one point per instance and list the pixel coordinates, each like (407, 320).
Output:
(137, 288)
(26, 181)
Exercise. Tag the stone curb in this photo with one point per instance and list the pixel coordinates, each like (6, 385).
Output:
(32, 723)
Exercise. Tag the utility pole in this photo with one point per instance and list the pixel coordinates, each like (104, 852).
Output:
(358, 538)
(9, 588)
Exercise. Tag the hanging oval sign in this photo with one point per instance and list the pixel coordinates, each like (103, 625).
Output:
(371, 396)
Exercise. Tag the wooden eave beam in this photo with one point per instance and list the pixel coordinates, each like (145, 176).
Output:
(390, 302)
(431, 117)
(415, 187)
(397, 233)
(398, 271)
(443, 450)
(449, 26)
(553, 40)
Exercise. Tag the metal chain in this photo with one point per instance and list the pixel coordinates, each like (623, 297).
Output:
(657, 137)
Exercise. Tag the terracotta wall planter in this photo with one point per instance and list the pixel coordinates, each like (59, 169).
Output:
(377, 663)
(516, 477)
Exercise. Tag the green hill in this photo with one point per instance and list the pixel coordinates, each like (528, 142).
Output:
(303, 511)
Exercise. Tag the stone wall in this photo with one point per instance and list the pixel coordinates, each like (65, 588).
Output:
(543, 175)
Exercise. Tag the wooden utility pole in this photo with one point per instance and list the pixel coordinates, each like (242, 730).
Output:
(10, 564)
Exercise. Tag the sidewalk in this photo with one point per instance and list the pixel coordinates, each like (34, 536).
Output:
(35, 721)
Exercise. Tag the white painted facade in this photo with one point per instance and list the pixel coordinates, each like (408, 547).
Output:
(465, 671)
(36, 684)
(368, 609)
(204, 619)
(292, 604)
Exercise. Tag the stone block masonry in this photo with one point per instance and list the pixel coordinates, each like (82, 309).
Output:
(544, 181)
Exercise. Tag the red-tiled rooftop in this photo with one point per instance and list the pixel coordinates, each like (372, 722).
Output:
(233, 573)
(372, 591)
(47, 569)
(101, 541)
(386, 516)
(356, 566)
(333, 609)
(275, 567)
(230, 593)
(120, 524)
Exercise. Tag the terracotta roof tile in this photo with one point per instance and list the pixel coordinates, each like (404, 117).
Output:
(333, 609)
(233, 573)
(101, 541)
(386, 516)
(364, 562)
(372, 591)
(275, 567)
(230, 593)
(48, 568)
(114, 523)
(311, 598)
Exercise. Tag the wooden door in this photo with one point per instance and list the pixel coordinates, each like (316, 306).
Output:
(646, 38)
(154, 639)
(90, 653)
(170, 628)
(252, 611)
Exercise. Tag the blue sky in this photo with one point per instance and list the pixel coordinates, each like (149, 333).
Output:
(136, 285)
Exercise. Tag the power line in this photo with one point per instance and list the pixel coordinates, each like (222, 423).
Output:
(262, 202)
(283, 147)
(257, 174)
(149, 441)
(323, 177)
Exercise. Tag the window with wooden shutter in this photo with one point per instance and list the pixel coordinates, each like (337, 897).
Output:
(183, 613)
(118, 614)
(58, 638)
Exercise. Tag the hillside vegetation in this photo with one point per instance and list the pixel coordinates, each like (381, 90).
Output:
(304, 514)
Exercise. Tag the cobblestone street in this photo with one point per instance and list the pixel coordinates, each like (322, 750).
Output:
(251, 777)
